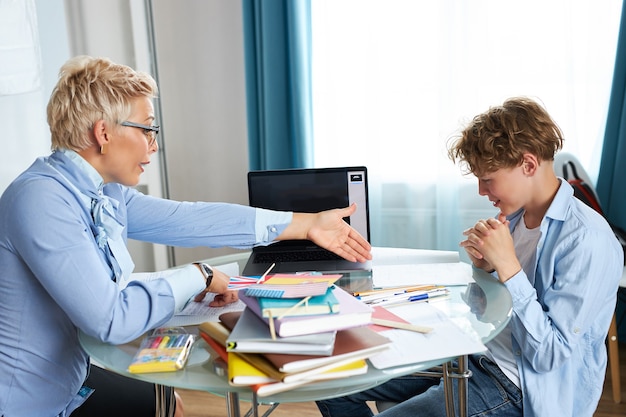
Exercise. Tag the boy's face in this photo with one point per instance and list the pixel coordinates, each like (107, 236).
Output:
(505, 188)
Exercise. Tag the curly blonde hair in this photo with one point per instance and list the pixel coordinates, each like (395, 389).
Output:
(500, 137)
(91, 89)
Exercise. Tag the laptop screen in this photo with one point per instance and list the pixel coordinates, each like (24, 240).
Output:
(311, 190)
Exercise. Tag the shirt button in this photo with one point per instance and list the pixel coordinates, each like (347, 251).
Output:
(273, 229)
(518, 353)
(576, 330)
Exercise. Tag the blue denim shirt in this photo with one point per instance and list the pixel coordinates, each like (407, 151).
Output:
(560, 322)
(55, 279)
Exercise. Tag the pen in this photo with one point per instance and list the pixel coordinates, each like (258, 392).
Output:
(378, 291)
(265, 274)
(428, 295)
(373, 299)
(391, 293)
(428, 300)
(411, 298)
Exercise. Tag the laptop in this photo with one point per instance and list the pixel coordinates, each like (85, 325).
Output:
(308, 190)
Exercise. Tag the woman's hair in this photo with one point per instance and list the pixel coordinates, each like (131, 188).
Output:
(91, 89)
(500, 137)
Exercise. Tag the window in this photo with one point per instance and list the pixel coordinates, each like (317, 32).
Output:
(393, 80)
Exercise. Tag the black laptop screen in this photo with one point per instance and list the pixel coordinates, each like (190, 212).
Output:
(312, 190)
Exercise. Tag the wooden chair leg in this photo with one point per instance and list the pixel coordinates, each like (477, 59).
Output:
(614, 361)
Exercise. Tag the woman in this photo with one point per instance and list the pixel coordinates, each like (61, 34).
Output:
(64, 265)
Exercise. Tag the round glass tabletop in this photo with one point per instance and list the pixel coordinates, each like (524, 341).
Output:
(481, 309)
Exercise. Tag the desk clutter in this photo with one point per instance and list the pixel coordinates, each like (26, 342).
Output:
(295, 330)
(298, 329)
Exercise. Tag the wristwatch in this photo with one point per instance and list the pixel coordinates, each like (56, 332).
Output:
(207, 271)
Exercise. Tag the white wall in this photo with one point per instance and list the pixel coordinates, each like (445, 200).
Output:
(201, 77)
(199, 51)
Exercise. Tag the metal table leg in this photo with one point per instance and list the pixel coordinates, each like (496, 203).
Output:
(461, 373)
(448, 390)
(161, 401)
(232, 404)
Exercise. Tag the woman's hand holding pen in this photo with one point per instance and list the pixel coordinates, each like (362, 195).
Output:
(330, 231)
(219, 286)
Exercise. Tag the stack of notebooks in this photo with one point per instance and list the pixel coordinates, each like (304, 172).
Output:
(284, 340)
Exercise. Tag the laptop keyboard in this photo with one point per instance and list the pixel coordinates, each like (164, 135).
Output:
(309, 255)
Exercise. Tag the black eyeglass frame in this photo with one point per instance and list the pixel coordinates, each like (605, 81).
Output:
(149, 131)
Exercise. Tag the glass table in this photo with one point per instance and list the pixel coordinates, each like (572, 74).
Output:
(485, 304)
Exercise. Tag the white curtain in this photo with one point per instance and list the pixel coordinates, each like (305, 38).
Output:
(20, 69)
(393, 80)
(22, 108)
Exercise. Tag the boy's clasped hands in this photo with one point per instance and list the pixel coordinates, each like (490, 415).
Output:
(489, 245)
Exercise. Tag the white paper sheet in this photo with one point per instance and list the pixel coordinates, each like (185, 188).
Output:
(408, 347)
(196, 313)
(399, 256)
(455, 273)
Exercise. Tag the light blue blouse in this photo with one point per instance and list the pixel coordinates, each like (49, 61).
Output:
(55, 278)
(560, 320)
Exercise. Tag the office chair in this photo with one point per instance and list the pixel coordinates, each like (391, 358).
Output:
(560, 161)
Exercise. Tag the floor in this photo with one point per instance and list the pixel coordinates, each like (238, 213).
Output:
(201, 404)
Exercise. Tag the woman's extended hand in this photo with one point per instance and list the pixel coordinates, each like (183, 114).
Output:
(329, 230)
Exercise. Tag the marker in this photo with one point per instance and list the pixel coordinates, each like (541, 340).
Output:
(181, 340)
(173, 341)
(164, 342)
(156, 342)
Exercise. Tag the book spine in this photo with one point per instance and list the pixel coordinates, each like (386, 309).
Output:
(215, 345)
(216, 330)
(218, 343)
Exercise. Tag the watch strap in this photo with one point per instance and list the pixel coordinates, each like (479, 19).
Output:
(207, 271)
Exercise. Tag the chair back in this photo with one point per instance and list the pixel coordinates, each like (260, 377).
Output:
(562, 169)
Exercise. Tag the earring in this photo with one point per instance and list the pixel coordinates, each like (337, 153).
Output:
(103, 149)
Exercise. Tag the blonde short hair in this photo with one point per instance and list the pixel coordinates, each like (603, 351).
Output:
(91, 89)
(501, 136)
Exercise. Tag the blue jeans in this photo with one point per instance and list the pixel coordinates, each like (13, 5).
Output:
(490, 392)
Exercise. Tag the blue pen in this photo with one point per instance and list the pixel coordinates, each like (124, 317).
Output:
(410, 298)
(428, 295)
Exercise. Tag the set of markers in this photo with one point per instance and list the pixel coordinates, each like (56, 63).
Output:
(165, 350)
(401, 295)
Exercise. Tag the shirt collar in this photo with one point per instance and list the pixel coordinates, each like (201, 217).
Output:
(94, 178)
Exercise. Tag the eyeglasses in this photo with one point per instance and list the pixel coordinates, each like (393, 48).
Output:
(151, 132)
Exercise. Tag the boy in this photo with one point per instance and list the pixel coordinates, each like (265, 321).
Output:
(558, 258)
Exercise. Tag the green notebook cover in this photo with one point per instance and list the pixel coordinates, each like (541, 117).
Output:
(319, 304)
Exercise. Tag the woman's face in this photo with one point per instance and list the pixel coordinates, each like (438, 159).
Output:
(130, 147)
